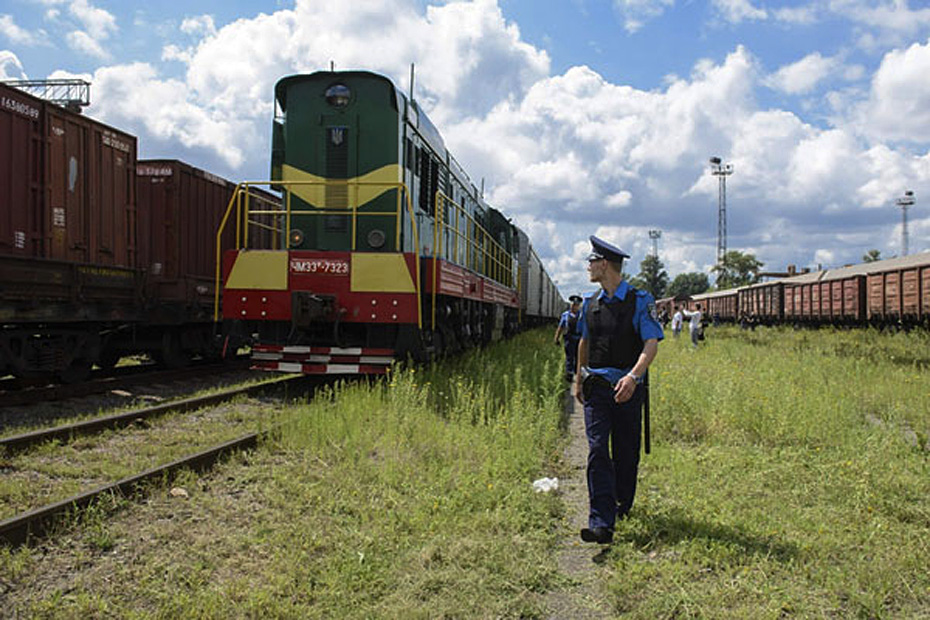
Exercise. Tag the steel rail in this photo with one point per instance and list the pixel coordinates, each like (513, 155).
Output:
(18, 530)
(65, 432)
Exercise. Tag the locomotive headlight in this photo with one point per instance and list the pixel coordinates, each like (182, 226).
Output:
(297, 237)
(338, 95)
(376, 238)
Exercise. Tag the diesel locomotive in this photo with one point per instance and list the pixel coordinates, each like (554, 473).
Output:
(387, 249)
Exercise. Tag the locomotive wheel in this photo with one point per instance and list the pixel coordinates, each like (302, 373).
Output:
(172, 354)
(108, 359)
(78, 370)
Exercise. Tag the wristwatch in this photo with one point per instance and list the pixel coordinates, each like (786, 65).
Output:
(638, 380)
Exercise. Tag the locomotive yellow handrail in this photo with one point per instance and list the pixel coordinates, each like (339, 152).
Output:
(242, 197)
(496, 262)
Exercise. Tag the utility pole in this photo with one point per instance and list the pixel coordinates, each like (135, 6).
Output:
(655, 235)
(904, 202)
(721, 170)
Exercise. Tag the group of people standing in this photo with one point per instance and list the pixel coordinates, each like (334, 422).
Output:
(610, 338)
(695, 326)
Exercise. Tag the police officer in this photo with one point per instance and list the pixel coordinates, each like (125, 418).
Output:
(619, 339)
(568, 327)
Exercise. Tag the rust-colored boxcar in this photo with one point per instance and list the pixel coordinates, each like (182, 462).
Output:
(799, 295)
(898, 290)
(763, 302)
(67, 182)
(91, 190)
(21, 173)
(180, 209)
(722, 304)
(67, 236)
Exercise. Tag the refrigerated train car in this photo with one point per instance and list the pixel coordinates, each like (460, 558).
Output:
(392, 251)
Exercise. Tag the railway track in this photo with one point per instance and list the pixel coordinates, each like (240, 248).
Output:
(14, 392)
(64, 432)
(20, 528)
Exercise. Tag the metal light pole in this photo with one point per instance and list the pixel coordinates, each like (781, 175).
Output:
(904, 202)
(721, 170)
(655, 235)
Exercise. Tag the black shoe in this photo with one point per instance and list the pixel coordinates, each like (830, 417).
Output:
(599, 535)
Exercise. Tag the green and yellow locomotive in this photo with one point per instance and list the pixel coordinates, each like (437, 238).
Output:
(384, 248)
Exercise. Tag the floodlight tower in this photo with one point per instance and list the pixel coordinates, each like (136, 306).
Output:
(721, 170)
(655, 234)
(904, 202)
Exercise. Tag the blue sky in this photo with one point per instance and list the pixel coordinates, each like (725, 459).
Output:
(582, 116)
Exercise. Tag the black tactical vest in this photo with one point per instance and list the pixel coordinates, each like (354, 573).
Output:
(613, 341)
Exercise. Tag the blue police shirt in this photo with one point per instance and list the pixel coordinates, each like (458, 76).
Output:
(644, 323)
(563, 323)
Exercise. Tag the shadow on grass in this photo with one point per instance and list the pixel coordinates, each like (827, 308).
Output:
(568, 407)
(654, 530)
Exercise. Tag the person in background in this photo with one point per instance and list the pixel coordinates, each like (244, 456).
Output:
(568, 328)
(677, 322)
(695, 324)
(620, 337)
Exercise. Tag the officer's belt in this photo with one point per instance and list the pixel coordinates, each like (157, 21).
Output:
(593, 380)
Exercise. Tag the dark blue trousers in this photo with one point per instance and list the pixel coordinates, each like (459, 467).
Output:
(571, 355)
(613, 432)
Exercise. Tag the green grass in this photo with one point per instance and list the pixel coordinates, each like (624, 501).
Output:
(789, 477)
(411, 497)
(54, 471)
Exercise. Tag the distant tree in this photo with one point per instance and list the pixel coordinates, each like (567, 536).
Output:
(652, 277)
(737, 269)
(871, 256)
(688, 284)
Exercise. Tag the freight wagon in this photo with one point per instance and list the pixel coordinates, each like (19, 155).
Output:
(719, 305)
(100, 255)
(762, 303)
(898, 290)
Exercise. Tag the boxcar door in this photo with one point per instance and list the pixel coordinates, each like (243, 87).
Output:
(67, 206)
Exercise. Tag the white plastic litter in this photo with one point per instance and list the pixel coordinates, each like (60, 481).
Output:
(544, 485)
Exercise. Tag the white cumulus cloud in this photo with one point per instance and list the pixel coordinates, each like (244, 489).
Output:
(804, 75)
(17, 35)
(10, 66)
(98, 23)
(736, 11)
(899, 102)
(80, 41)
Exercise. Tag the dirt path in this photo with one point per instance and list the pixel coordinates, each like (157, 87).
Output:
(582, 565)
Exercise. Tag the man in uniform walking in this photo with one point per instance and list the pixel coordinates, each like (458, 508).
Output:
(619, 339)
(568, 327)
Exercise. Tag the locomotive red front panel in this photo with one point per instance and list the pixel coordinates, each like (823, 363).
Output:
(367, 287)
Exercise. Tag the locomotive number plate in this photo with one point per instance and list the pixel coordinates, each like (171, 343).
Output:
(320, 266)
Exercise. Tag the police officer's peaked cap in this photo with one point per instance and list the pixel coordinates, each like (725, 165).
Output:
(575, 299)
(602, 249)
